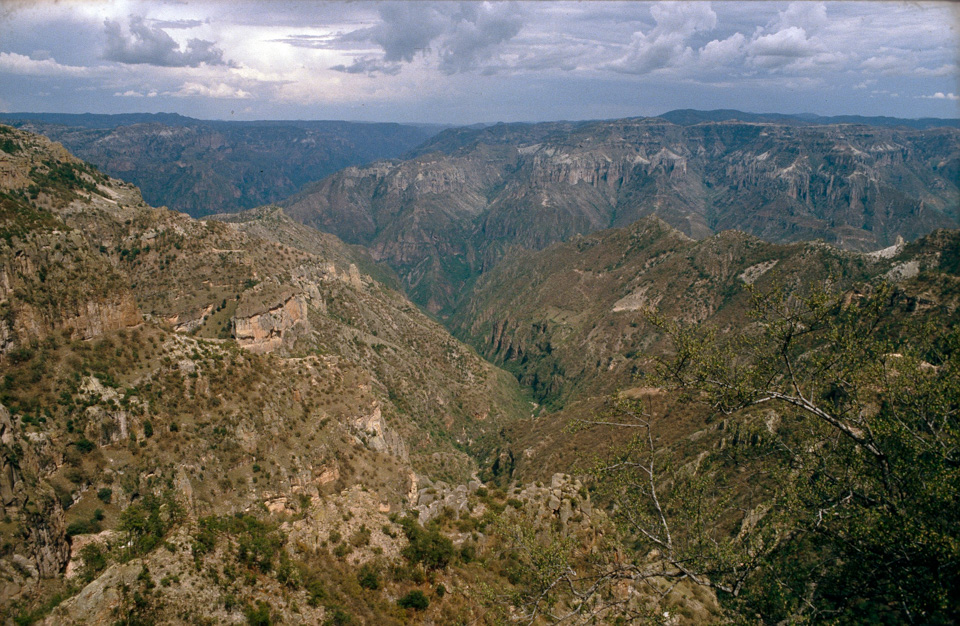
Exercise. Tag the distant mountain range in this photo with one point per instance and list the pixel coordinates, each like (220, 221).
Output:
(687, 117)
(459, 198)
(452, 209)
(201, 167)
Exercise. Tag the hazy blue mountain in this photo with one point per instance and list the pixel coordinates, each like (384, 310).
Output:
(202, 167)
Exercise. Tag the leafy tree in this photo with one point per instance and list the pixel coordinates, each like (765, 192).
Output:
(852, 404)
(147, 521)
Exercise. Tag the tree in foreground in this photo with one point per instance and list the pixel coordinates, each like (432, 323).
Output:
(839, 497)
(853, 407)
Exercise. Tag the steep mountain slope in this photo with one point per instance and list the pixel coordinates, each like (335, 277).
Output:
(467, 196)
(201, 167)
(224, 420)
(569, 320)
(572, 321)
(174, 382)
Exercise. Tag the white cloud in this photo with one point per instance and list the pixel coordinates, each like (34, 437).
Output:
(947, 69)
(725, 52)
(789, 43)
(22, 64)
(888, 64)
(219, 90)
(130, 93)
(666, 44)
(810, 16)
(942, 96)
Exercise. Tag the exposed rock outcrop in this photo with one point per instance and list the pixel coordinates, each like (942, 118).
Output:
(42, 550)
(439, 219)
(266, 330)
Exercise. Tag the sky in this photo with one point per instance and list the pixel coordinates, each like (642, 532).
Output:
(467, 62)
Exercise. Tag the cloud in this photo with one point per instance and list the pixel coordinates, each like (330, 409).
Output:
(942, 96)
(317, 42)
(22, 64)
(947, 69)
(463, 35)
(789, 43)
(153, 46)
(219, 90)
(136, 94)
(406, 30)
(174, 24)
(725, 52)
(810, 16)
(888, 64)
(666, 44)
(369, 65)
(476, 32)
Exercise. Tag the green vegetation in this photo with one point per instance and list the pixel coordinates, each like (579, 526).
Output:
(19, 217)
(844, 413)
(369, 576)
(796, 465)
(428, 547)
(415, 600)
(147, 521)
(63, 179)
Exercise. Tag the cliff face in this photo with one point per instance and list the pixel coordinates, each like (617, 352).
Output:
(571, 321)
(267, 331)
(53, 278)
(452, 211)
(41, 549)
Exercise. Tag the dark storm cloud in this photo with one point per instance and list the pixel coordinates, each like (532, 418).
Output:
(464, 35)
(404, 31)
(369, 65)
(476, 61)
(153, 46)
(474, 34)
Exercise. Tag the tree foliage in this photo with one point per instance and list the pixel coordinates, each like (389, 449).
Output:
(856, 403)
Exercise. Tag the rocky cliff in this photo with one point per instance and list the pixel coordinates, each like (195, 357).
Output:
(451, 211)
(159, 370)
(571, 320)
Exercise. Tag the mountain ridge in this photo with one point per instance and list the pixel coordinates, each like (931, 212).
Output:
(203, 167)
(465, 197)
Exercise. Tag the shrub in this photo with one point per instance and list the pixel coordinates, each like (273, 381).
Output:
(105, 495)
(94, 561)
(259, 615)
(80, 527)
(428, 547)
(84, 445)
(414, 600)
(339, 617)
(361, 537)
(368, 577)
